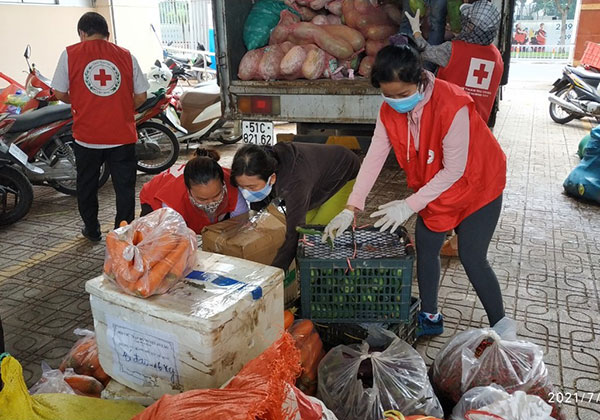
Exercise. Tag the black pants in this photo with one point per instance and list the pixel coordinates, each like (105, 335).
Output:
(146, 209)
(121, 162)
(474, 236)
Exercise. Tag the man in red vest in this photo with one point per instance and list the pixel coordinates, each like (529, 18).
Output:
(104, 85)
(471, 60)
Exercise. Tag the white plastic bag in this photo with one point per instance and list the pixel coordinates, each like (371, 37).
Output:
(476, 398)
(51, 382)
(480, 357)
(359, 384)
(518, 406)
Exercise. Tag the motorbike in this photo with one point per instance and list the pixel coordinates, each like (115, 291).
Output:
(45, 137)
(37, 87)
(16, 192)
(575, 95)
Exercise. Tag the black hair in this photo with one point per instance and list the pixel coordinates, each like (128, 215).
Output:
(252, 160)
(92, 23)
(397, 63)
(203, 168)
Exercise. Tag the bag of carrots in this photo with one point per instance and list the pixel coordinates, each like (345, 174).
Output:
(83, 357)
(311, 352)
(150, 255)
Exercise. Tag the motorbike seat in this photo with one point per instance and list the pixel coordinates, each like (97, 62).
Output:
(194, 99)
(40, 117)
(150, 103)
(586, 74)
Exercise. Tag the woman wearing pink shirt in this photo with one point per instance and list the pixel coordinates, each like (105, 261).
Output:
(455, 167)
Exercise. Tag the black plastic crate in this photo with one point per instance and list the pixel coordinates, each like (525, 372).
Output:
(366, 277)
(334, 334)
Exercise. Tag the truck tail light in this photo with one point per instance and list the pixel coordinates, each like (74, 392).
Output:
(265, 105)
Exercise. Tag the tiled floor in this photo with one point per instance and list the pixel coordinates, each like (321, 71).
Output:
(546, 252)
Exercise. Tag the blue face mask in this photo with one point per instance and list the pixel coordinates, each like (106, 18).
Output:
(260, 195)
(404, 105)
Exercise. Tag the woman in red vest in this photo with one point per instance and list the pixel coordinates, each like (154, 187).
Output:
(199, 190)
(455, 167)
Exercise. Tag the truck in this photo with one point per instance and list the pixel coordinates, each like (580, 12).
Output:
(321, 109)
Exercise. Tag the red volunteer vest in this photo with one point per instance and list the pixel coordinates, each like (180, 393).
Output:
(101, 91)
(478, 70)
(485, 173)
(169, 188)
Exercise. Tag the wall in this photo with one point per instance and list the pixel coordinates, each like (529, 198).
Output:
(588, 28)
(48, 29)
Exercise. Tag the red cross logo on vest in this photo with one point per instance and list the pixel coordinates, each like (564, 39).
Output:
(102, 77)
(480, 74)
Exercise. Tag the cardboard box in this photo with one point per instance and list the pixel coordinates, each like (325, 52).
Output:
(256, 238)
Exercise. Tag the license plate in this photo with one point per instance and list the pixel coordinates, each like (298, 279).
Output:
(258, 132)
(18, 154)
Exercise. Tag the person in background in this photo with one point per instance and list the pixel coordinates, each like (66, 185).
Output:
(199, 190)
(312, 180)
(540, 38)
(104, 85)
(437, 10)
(520, 37)
(470, 61)
(455, 167)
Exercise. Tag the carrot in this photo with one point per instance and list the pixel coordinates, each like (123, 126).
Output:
(301, 329)
(180, 264)
(309, 352)
(161, 248)
(137, 237)
(288, 319)
(101, 375)
(107, 266)
(122, 270)
(123, 223)
(148, 284)
(84, 385)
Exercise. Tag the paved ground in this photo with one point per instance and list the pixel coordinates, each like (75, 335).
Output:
(546, 252)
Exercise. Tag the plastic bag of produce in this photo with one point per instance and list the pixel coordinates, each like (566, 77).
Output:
(366, 66)
(248, 69)
(373, 46)
(320, 20)
(361, 382)
(318, 64)
(17, 404)
(152, 254)
(518, 406)
(476, 398)
(335, 7)
(306, 32)
(310, 345)
(480, 357)
(291, 64)
(284, 28)
(51, 382)
(83, 357)
(261, 20)
(269, 67)
(257, 391)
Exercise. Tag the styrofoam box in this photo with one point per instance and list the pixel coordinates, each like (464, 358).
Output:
(200, 334)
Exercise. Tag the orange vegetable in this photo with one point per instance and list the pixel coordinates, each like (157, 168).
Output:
(123, 223)
(137, 237)
(302, 329)
(84, 385)
(148, 284)
(180, 263)
(288, 319)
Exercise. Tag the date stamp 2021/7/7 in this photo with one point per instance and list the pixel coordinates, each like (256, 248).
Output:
(574, 397)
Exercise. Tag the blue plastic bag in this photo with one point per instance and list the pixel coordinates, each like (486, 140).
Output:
(584, 180)
(261, 20)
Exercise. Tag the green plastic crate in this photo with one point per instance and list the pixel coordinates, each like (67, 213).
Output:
(377, 289)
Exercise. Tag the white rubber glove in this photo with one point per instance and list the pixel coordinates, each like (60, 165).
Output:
(338, 225)
(415, 22)
(392, 214)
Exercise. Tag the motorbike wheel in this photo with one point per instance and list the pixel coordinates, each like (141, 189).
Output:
(66, 151)
(158, 135)
(557, 113)
(13, 183)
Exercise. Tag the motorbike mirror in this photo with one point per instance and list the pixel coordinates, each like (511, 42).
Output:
(27, 51)
(157, 63)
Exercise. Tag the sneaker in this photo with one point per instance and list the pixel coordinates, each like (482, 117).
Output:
(94, 236)
(426, 326)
